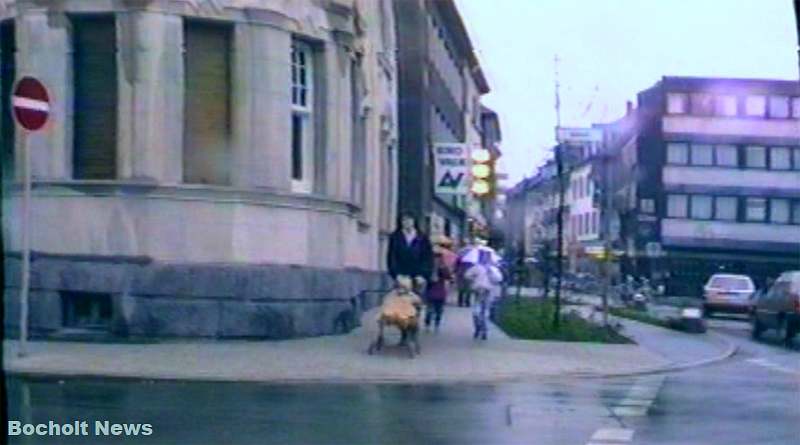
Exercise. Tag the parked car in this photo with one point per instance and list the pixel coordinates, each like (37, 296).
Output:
(779, 308)
(728, 293)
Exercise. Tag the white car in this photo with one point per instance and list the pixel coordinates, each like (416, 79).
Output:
(728, 293)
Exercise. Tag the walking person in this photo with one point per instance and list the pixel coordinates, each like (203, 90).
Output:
(410, 254)
(438, 287)
(484, 277)
(462, 265)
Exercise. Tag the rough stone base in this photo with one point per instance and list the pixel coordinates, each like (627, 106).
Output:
(188, 300)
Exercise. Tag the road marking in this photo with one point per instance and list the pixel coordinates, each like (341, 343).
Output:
(773, 366)
(630, 411)
(614, 435)
(640, 397)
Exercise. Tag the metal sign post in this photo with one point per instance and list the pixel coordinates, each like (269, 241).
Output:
(31, 105)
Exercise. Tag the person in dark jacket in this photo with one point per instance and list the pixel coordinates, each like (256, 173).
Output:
(410, 252)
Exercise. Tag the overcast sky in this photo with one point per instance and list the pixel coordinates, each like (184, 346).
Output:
(609, 51)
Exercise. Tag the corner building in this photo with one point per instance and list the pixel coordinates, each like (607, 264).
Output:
(212, 168)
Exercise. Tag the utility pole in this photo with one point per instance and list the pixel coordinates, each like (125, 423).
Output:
(605, 214)
(560, 211)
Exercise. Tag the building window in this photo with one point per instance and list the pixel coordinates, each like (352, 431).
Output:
(796, 213)
(647, 205)
(207, 111)
(779, 107)
(796, 107)
(726, 106)
(780, 158)
(94, 64)
(755, 106)
(302, 117)
(725, 208)
(755, 209)
(702, 104)
(677, 153)
(727, 156)
(755, 156)
(676, 206)
(701, 207)
(595, 218)
(702, 154)
(677, 103)
(796, 158)
(779, 211)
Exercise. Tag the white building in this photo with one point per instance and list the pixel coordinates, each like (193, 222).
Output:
(211, 168)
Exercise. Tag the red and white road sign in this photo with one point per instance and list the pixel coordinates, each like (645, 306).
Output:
(31, 103)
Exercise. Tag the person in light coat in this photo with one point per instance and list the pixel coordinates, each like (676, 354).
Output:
(483, 278)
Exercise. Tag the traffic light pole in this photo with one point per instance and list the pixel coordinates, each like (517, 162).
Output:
(560, 212)
(605, 209)
(559, 235)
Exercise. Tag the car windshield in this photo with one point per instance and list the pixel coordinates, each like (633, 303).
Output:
(730, 283)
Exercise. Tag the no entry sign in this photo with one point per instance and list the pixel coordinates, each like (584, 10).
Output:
(31, 104)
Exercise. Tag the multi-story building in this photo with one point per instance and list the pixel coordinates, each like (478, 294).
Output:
(714, 180)
(211, 167)
(440, 83)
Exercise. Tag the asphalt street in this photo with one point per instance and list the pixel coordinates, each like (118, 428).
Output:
(752, 398)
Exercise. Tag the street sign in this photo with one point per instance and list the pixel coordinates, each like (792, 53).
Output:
(31, 108)
(565, 135)
(451, 171)
(31, 104)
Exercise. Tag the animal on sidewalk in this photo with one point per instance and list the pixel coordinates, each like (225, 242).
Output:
(401, 308)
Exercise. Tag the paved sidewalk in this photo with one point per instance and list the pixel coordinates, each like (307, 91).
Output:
(448, 356)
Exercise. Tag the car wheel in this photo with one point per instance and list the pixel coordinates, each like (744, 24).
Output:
(757, 327)
(783, 331)
(787, 332)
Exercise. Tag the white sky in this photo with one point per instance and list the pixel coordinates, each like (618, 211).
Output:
(609, 51)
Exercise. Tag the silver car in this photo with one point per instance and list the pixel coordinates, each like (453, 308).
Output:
(728, 293)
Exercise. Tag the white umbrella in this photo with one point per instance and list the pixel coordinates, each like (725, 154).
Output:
(479, 254)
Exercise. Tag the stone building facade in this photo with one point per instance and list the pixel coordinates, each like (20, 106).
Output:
(212, 168)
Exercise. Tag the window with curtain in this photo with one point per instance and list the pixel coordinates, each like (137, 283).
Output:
(702, 154)
(677, 153)
(725, 208)
(755, 156)
(677, 103)
(780, 158)
(756, 209)
(727, 156)
(701, 207)
(779, 211)
(755, 106)
(677, 206)
(726, 106)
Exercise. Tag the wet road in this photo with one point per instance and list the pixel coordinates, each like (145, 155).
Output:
(554, 412)
(753, 398)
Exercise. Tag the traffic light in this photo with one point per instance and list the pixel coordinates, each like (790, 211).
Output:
(482, 173)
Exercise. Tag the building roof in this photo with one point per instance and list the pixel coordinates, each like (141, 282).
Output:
(452, 18)
(725, 84)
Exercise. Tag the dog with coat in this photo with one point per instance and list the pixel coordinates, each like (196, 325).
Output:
(401, 308)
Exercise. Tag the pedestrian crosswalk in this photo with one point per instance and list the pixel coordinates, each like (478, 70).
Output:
(636, 402)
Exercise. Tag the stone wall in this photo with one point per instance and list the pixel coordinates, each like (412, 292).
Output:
(152, 299)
